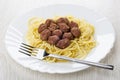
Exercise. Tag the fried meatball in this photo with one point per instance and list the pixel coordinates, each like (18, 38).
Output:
(62, 20)
(52, 27)
(49, 21)
(76, 32)
(45, 34)
(57, 32)
(63, 43)
(42, 27)
(68, 35)
(64, 27)
(73, 24)
(53, 39)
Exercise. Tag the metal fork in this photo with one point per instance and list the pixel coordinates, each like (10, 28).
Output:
(41, 53)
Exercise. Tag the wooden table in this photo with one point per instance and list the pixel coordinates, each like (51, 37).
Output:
(10, 70)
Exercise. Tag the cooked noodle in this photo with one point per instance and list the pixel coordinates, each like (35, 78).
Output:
(79, 47)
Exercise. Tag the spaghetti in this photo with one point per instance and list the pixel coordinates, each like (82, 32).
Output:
(79, 47)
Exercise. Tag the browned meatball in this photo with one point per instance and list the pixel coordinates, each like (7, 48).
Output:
(49, 21)
(52, 27)
(42, 27)
(68, 35)
(76, 32)
(45, 34)
(57, 32)
(62, 20)
(73, 24)
(63, 27)
(53, 39)
(63, 43)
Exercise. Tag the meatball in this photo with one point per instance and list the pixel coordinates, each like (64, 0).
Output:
(49, 21)
(68, 35)
(53, 39)
(57, 32)
(52, 27)
(45, 34)
(62, 20)
(63, 27)
(42, 27)
(76, 32)
(63, 43)
(73, 24)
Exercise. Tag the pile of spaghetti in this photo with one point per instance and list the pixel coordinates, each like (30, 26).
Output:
(79, 47)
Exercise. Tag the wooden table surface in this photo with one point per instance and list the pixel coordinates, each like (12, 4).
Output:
(10, 70)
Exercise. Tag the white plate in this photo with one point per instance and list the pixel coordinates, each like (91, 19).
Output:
(104, 34)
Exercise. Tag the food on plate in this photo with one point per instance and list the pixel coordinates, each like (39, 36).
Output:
(45, 34)
(63, 27)
(76, 32)
(63, 43)
(62, 32)
(42, 27)
(66, 36)
(53, 39)
(57, 32)
(52, 27)
(62, 20)
(73, 24)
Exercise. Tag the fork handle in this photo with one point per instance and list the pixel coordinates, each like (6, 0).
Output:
(99, 65)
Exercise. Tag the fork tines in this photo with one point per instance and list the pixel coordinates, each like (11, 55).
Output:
(26, 49)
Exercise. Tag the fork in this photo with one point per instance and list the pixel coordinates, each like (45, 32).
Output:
(41, 54)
